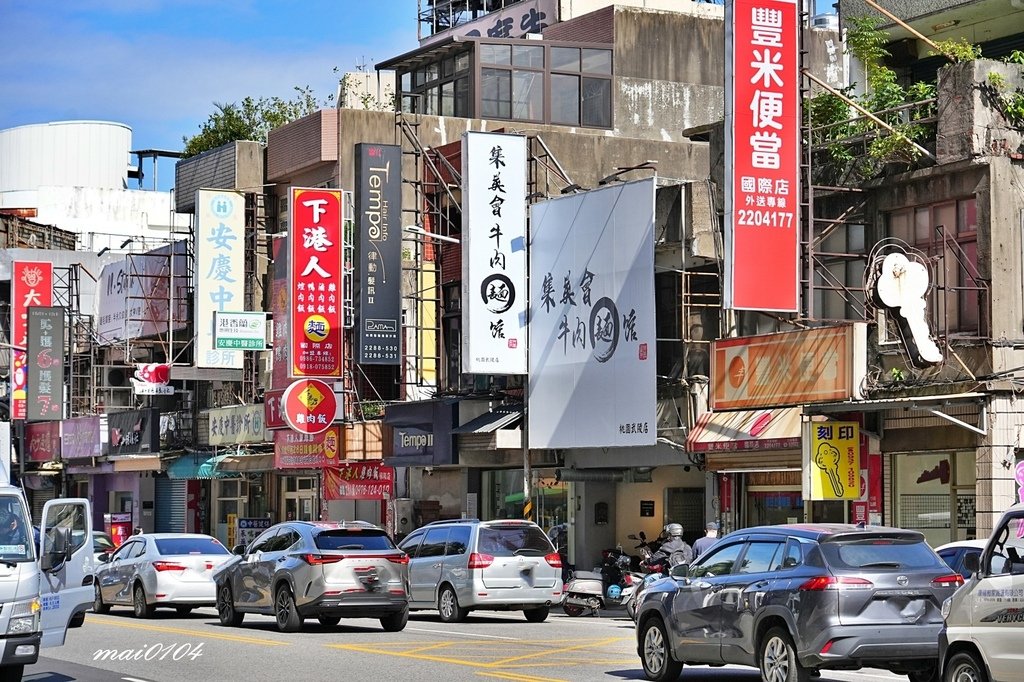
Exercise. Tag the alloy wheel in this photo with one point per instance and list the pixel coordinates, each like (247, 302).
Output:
(776, 660)
(654, 650)
(447, 603)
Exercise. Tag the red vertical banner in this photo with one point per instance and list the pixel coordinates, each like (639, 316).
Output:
(316, 305)
(31, 286)
(762, 155)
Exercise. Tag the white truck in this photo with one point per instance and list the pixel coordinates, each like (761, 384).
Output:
(44, 588)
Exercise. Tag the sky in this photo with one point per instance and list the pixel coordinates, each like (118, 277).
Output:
(159, 66)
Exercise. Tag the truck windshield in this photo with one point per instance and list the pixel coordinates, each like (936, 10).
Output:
(15, 542)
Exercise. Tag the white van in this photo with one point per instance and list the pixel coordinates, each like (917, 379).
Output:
(44, 590)
(984, 619)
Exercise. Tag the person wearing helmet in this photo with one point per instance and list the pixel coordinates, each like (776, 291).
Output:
(674, 550)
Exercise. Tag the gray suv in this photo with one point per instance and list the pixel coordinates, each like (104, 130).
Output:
(793, 599)
(462, 565)
(329, 571)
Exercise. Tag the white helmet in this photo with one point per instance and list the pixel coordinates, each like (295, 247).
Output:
(674, 530)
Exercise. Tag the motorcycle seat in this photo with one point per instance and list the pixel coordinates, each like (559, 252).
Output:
(587, 575)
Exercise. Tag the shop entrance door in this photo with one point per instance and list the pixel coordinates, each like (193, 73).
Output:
(300, 499)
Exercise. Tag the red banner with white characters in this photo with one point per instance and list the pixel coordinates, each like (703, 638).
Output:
(31, 285)
(762, 155)
(315, 285)
(362, 481)
(294, 450)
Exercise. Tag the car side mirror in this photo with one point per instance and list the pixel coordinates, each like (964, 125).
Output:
(104, 558)
(972, 562)
(59, 552)
(679, 570)
(238, 550)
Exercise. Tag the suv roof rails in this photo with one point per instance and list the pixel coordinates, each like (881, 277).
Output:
(444, 521)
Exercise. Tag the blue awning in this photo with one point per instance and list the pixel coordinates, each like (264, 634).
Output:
(198, 466)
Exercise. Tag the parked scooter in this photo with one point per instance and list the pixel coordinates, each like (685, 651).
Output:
(594, 591)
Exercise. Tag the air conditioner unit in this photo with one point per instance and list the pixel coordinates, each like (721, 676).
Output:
(829, 22)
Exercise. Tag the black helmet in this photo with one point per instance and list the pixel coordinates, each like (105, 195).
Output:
(674, 530)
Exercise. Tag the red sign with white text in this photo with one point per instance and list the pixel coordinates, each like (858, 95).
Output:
(315, 285)
(31, 285)
(762, 155)
(273, 417)
(309, 406)
(363, 481)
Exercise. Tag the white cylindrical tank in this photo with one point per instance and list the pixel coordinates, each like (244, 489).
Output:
(64, 154)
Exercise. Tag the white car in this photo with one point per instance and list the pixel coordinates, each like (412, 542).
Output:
(160, 569)
(954, 554)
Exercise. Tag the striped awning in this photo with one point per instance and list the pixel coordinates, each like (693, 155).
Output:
(746, 430)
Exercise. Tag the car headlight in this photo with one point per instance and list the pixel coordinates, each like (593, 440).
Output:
(24, 617)
(946, 605)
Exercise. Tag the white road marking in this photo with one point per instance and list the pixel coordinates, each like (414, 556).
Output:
(133, 679)
(474, 635)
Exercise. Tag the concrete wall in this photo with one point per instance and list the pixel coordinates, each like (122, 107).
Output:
(236, 165)
(1005, 248)
(628, 496)
(969, 123)
(669, 46)
(447, 486)
(590, 538)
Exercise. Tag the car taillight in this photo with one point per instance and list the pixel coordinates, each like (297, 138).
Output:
(553, 560)
(951, 580)
(319, 559)
(161, 566)
(401, 559)
(831, 582)
(480, 560)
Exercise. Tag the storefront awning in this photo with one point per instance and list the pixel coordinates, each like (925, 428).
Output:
(499, 418)
(126, 463)
(746, 430)
(198, 467)
(247, 462)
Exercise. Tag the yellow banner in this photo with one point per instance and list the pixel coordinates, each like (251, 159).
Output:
(834, 466)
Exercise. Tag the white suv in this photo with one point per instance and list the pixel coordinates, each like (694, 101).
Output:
(984, 619)
(466, 564)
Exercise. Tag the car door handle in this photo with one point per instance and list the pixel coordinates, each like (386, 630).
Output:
(281, 558)
(709, 586)
(762, 583)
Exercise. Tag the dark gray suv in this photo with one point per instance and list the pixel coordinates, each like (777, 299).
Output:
(792, 599)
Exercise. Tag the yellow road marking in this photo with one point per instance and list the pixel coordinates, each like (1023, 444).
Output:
(523, 678)
(183, 631)
(561, 650)
(417, 650)
(423, 657)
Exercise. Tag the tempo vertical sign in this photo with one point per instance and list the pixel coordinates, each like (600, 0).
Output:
(762, 155)
(45, 391)
(315, 286)
(31, 286)
(379, 251)
(493, 253)
(220, 271)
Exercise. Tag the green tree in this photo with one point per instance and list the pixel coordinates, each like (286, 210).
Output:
(253, 119)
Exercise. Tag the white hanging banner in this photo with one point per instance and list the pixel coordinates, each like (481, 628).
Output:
(220, 271)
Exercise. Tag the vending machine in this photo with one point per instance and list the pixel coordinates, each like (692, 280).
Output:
(118, 526)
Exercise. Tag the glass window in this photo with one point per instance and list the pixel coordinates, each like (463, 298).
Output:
(123, 551)
(496, 54)
(260, 544)
(528, 55)
(419, 77)
(409, 104)
(461, 62)
(448, 99)
(196, 545)
(411, 544)
(597, 102)
(513, 539)
(406, 81)
(898, 553)
(1008, 550)
(458, 540)
(430, 102)
(447, 67)
(794, 555)
(761, 557)
(597, 61)
(138, 548)
(528, 95)
(462, 98)
(434, 543)
(283, 540)
(496, 93)
(431, 72)
(347, 538)
(565, 59)
(565, 99)
(719, 562)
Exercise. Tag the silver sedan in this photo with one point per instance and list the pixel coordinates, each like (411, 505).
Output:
(160, 569)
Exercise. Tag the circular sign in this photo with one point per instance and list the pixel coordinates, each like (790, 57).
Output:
(316, 328)
(309, 406)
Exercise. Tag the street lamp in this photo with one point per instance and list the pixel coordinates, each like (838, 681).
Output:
(416, 229)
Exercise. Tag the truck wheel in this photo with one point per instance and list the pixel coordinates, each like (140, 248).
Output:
(964, 667)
